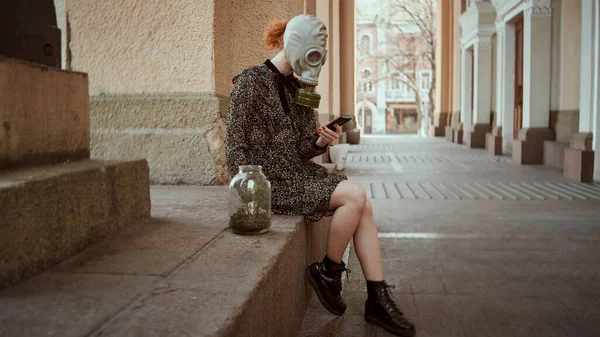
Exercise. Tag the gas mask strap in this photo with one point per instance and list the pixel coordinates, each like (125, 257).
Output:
(280, 86)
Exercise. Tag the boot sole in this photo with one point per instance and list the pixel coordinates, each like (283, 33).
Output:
(313, 283)
(402, 333)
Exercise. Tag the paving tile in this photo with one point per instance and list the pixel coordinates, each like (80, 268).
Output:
(157, 251)
(67, 304)
(585, 308)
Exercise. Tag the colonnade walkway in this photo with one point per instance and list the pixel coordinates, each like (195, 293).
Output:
(475, 245)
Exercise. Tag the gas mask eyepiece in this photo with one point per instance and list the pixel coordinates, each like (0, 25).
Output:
(305, 42)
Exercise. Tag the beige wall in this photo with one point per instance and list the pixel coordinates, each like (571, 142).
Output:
(143, 46)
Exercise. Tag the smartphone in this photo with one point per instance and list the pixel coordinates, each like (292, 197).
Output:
(339, 121)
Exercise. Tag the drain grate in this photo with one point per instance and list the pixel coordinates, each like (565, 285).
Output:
(483, 191)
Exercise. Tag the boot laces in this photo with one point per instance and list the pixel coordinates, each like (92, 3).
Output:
(336, 281)
(387, 300)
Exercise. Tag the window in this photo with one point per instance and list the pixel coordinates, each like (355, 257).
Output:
(365, 45)
(397, 82)
(365, 73)
(425, 80)
(365, 82)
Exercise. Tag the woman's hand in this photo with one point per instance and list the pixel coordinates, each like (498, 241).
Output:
(327, 136)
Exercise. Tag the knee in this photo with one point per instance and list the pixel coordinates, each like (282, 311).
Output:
(358, 196)
(368, 208)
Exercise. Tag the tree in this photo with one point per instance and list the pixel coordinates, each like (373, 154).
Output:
(409, 28)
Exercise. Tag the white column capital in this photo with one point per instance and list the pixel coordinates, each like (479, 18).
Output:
(484, 43)
(539, 7)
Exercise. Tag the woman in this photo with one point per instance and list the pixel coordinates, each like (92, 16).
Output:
(269, 124)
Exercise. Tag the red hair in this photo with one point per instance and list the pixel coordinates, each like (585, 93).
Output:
(274, 34)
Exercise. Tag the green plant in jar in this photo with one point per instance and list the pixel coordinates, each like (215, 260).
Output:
(250, 201)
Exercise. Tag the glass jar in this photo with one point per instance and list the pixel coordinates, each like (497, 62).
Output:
(250, 201)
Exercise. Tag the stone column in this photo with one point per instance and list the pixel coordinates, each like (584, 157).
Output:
(336, 57)
(325, 87)
(565, 117)
(566, 45)
(596, 93)
(494, 138)
(465, 89)
(347, 51)
(579, 157)
(160, 77)
(475, 137)
(310, 7)
(443, 68)
(378, 117)
(537, 67)
(507, 87)
(456, 71)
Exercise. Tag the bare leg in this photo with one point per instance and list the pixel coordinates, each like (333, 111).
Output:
(348, 200)
(366, 244)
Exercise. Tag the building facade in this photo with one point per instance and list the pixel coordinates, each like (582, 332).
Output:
(520, 78)
(386, 96)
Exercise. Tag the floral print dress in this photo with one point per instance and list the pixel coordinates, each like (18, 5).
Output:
(265, 127)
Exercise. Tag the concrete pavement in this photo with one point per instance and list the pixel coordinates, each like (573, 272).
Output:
(475, 244)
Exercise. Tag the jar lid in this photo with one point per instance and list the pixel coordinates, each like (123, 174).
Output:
(250, 168)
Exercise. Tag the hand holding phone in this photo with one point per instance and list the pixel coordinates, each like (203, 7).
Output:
(339, 121)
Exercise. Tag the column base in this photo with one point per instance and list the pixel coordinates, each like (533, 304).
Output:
(579, 165)
(493, 144)
(440, 129)
(554, 153)
(458, 136)
(529, 148)
(449, 132)
(476, 138)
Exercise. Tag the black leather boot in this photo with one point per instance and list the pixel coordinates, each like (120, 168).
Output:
(381, 310)
(326, 279)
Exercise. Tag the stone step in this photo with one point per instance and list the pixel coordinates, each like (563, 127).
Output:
(180, 273)
(49, 213)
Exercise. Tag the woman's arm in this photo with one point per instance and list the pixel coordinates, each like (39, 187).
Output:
(241, 106)
(310, 145)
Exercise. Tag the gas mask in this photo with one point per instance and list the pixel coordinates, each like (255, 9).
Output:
(305, 42)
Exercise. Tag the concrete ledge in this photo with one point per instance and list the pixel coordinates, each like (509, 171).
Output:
(45, 115)
(493, 144)
(180, 273)
(579, 165)
(554, 153)
(49, 213)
